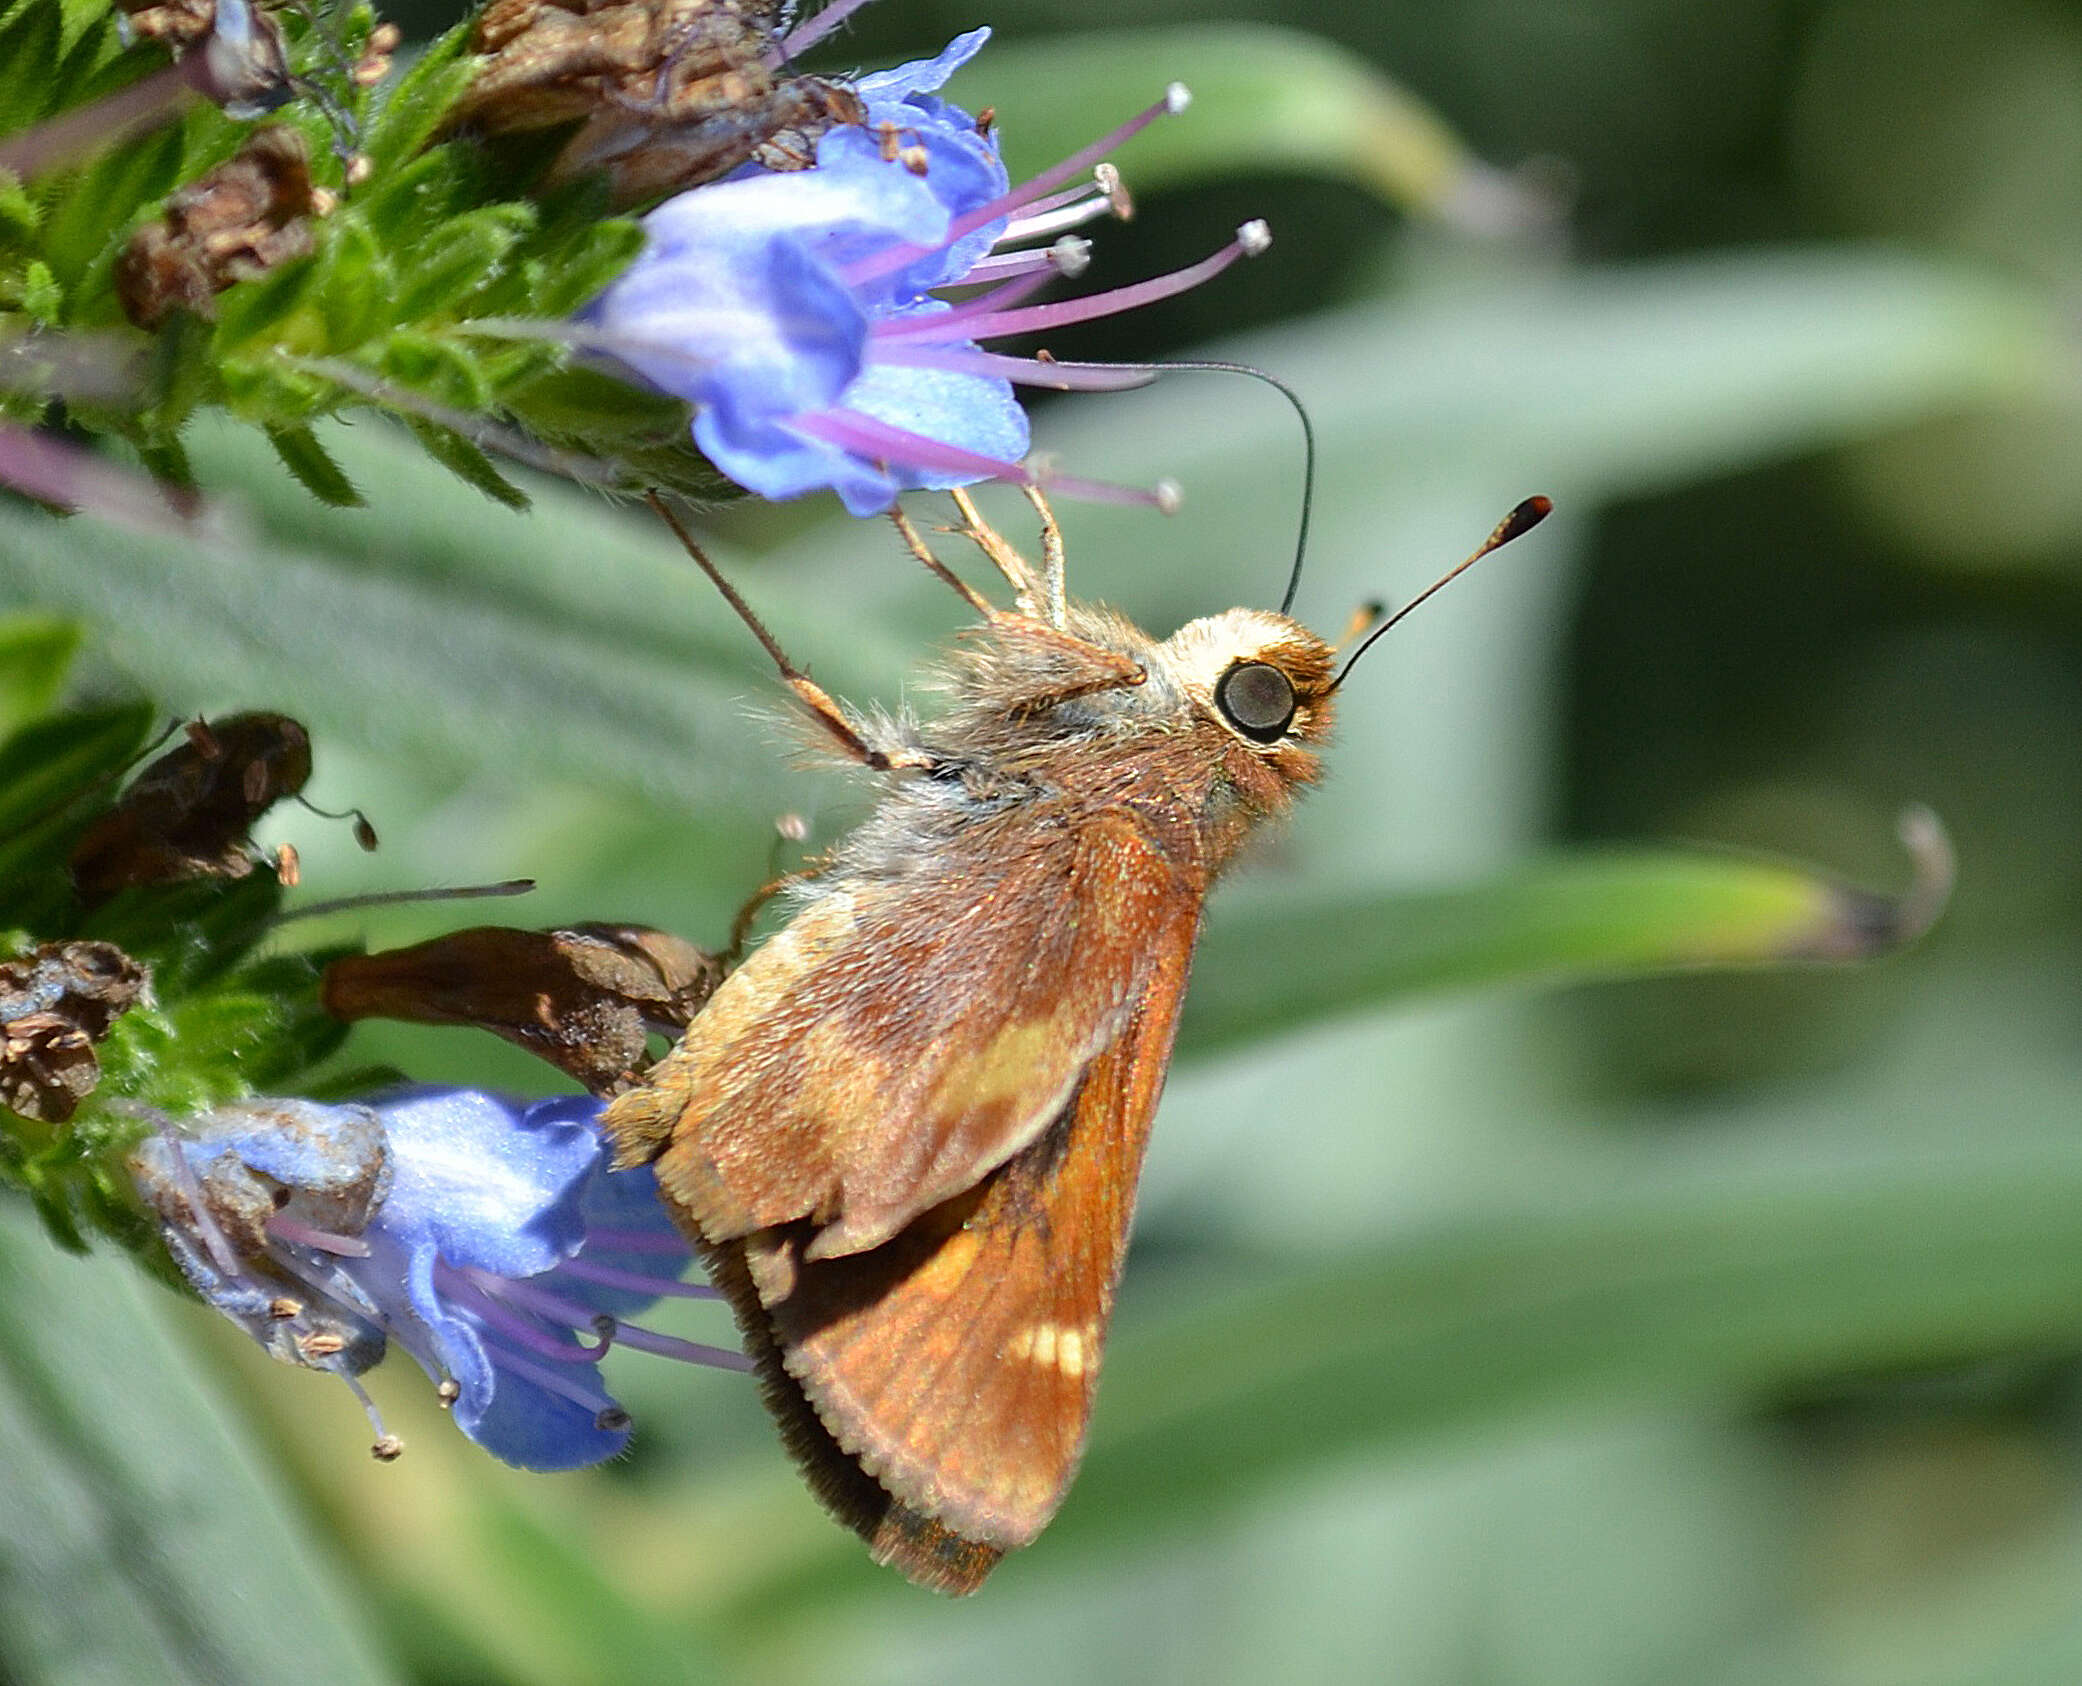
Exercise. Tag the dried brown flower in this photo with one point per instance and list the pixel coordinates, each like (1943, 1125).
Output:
(56, 1002)
(244, 218)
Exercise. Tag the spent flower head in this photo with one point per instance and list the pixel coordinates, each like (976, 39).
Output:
(485, 1236)
(805, 314)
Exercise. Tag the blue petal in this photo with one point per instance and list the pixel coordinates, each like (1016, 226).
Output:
(976, 412)
(533, 1428)
(921, 76)
(962, 172)
(740, 301)
(850, 216)
(765, 457)
(763, 330)
(487, 1185)
(627, 1202)
(511, 1416)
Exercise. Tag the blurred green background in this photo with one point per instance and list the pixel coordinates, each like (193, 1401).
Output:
(1720, 1330)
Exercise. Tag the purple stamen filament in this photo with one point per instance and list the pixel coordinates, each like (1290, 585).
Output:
(329, 1283)
(303, 1235)
(565, 1384)
(1055, 201)
(691, 1352)
(810, 31)
(1251, 239)
(864, 436)
(213, 1238)
(1059, 221)
(1027, 371)
(998, 298)
(607, 1276)
(368, 1405)
(483, 1294)
(538, 1300)
(1065, 257)
(1175, 100)
(896, 257)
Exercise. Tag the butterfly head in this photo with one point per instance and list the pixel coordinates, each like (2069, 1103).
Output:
(1261, 680)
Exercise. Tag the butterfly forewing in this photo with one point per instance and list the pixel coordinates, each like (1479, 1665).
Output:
(955, 1365)
(901, 1039)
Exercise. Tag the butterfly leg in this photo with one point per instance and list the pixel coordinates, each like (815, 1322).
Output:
(1052, 571)
(920, 549)
(824, 708)
(1030, 588)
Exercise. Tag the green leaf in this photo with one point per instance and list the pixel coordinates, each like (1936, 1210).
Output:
(48, 762)
(143, 1538)
(20, 215)
(29, 48)
(83, 18)
(1598, 913)
(167, 461)
(43, 300)
(437, 368)
(410, 203)
(35, 651)
(420, 99)
(580, 270)
(434, 279)
(93, 215)
(441, 632)
(463, 459)
(55, 774)
(1264, 99)
(257, 310)
(585, 404)
(355, 284)
(314, 467)
(191, 931)
(245, 1038)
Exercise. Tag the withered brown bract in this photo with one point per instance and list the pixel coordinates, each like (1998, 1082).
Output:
(906, 1134)
(584, 998)
(187, 815)
(665, 94)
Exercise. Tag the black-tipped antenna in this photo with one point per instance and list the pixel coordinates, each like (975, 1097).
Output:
(1517, 524)
(1215, 366)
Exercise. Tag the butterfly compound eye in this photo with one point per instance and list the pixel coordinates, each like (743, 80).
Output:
(1257, 699)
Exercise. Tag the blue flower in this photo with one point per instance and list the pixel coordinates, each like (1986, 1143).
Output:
(801, 313)
(482, 1235)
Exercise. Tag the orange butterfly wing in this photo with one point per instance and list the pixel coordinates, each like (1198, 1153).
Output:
(937, 1389)
(903, 1036)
